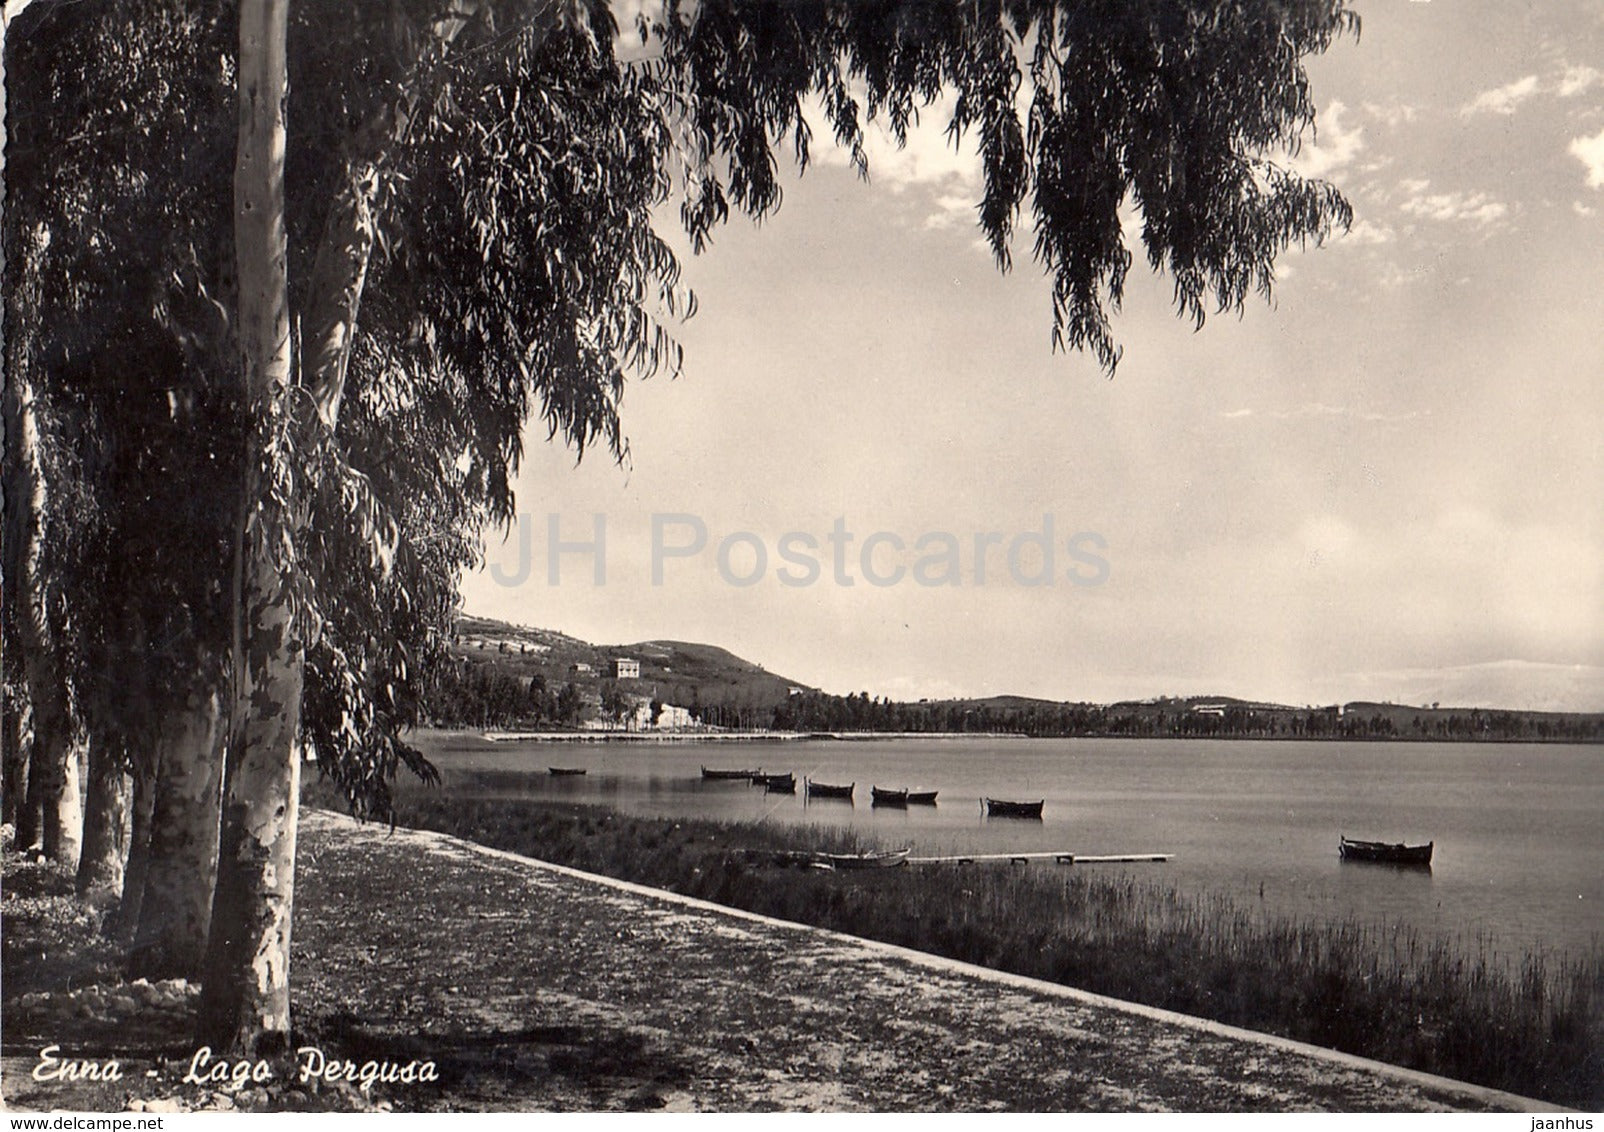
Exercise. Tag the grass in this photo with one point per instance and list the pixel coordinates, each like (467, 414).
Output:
(1532, 1024)
(55, 944)
(52, 940)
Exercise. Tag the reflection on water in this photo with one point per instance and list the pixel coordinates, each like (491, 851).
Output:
(1519, 840)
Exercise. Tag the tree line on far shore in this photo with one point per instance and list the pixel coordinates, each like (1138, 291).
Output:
(479, 694)
(1181, 719)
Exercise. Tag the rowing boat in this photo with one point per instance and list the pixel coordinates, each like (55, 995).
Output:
(566, 771)
(778, 783)
(887, 860)
(1385, 852)
(881, 797)
(732, 775)
(997, 808)
(922, 797)
(827, 790)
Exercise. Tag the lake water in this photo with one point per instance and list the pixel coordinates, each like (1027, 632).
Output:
(1519, 828)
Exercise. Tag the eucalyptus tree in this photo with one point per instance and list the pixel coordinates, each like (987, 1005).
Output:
(525, 284)
(120, 314)
(115, 320)
(468, 199)
(32, 609)
(13, 760)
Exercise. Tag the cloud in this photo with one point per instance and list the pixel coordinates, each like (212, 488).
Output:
(1368, 232)
(941, 183)
(1578, 80)
(1391, 114)
(1590, 152)
(1333, 147)
(1501, 100)
(951, 210)
(929, 158)
(1451, 207)
(1393, 277)
(1320, 409)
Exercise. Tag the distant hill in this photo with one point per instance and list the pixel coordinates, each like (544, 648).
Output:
(1510, 685)
(676, 672)
(1154, 706)
(518, 674)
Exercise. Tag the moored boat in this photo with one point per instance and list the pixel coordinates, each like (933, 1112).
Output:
(777, 783)
(874, 860)
(829, 790)
(922, 797)
(566, 771)
(732, 775)
(881, 797)
(1385, 852)
(999, 808)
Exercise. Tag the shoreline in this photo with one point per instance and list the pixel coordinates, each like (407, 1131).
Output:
(723, 736)
(592, 991)
(935, 1014)
(1276, 1047)
(514, 736)
(1333, 984)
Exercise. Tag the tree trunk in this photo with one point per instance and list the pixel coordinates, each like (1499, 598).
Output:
(339, 273)
(64, 811)
(180, 865)
(15, 785)
(245, 1000)
(126, 921)
(245, 993)
(29, 627)
(105, 851)
(21, 605)
(49, 751)
(31, 821)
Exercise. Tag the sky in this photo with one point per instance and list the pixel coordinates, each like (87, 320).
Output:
(1386, 484)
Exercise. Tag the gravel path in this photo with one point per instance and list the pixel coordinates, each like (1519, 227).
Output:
(536, 987)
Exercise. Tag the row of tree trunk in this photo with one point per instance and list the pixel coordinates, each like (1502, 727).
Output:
(144, 846)
(145, 830)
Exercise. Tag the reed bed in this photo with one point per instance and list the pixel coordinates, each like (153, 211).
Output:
(1531, 1023)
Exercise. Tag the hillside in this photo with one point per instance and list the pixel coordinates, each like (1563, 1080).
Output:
(674, 672)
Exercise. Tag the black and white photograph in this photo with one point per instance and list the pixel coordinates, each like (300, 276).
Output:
(802, 556)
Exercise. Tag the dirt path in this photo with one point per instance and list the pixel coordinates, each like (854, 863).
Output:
(532, 986)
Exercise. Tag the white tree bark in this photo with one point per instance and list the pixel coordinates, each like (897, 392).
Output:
(105, 848)
(180, 862)
(245, 1002)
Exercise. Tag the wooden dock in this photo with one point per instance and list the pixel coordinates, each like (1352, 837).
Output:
(1057, 858)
